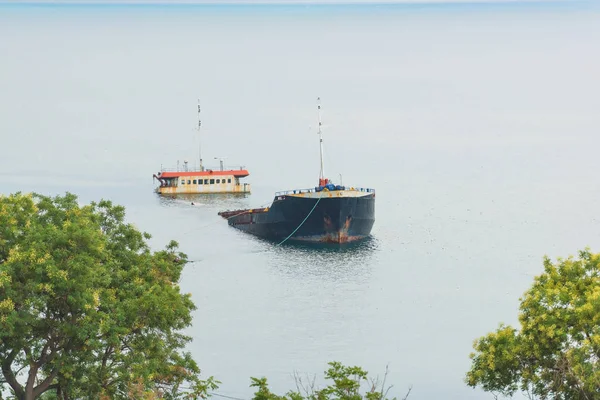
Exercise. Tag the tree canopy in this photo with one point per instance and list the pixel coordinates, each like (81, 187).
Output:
(346, 385)
(556, 353)
(86, 308)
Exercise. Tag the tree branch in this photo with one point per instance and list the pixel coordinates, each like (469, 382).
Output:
(54, 386)
(33, 370)
(46, 383)
(407, 393)
(10, 376)
(596, 350)
(42, 359)
(107, 354)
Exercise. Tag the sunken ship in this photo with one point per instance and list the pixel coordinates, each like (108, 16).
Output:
(327, 213)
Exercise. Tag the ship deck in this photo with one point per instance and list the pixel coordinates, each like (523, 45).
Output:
(233, 213)
(303, 193)
(239, 173)
(325, 193)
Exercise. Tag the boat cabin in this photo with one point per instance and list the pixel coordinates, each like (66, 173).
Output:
(202, 181)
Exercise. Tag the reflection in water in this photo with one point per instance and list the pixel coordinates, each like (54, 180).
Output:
(367, 243)
(220, 200)
(326, 261)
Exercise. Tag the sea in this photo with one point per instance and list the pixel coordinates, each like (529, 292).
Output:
(477, 124)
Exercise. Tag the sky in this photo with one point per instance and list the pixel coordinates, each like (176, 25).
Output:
(286, 1)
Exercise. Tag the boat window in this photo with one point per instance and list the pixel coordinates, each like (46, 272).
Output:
(199, 181)
(206, 181)
(182, 182)
(218, 181)
(212, 181)
(229, 180)
(189, 182)
(194, 182)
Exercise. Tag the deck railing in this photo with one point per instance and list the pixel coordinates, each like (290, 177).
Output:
(312, 190)
(196, 169)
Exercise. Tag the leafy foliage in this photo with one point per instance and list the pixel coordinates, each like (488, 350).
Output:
(346, 386)
(556, 354)
(86, 309)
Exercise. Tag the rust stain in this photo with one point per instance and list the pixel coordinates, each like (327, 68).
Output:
(340, 236)
(194, 189)
(230, 214)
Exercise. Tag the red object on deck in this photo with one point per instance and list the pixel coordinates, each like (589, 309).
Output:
(323, 182)
(239, 173)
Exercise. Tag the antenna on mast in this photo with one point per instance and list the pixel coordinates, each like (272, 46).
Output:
(322, 180)
(199, 138)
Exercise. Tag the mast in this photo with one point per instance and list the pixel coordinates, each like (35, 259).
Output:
(199, 137)
(322, 171)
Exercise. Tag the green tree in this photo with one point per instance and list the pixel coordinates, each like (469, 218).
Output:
(346, 385)
(86, 308)
(556, 353)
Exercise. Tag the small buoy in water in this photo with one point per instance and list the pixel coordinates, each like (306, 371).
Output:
(192, 203)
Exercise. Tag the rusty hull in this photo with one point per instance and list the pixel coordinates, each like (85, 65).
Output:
(336, 219)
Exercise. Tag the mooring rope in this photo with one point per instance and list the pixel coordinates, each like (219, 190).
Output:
(249, 211)
(301, 223)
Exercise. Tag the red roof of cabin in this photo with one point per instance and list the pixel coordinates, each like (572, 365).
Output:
(240, 173)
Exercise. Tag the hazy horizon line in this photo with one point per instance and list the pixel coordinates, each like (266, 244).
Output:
(285, 2)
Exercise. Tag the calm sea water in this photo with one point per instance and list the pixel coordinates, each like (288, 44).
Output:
(477, 125)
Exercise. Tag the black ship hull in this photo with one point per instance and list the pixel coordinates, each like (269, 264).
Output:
(336, 217)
